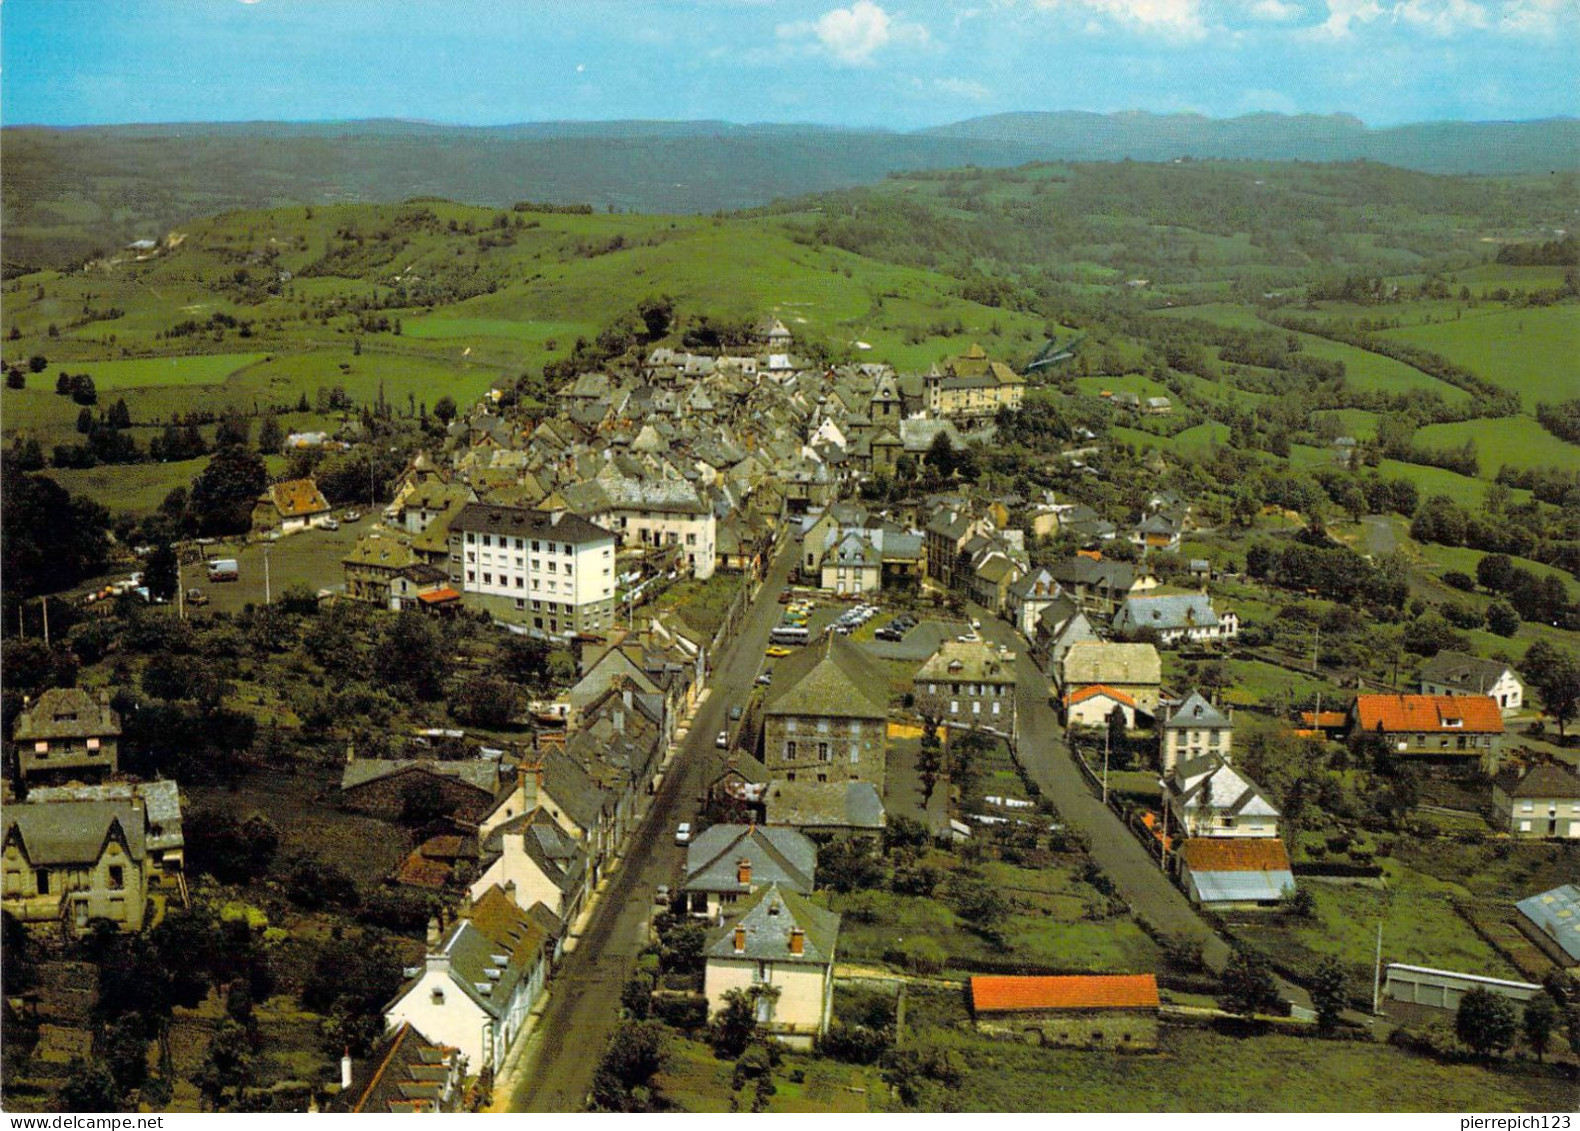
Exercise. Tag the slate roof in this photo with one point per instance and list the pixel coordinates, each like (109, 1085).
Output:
(1231, 792)
(1543, 781)
(520, 522)
(1014, 994)
(1477, 714)
(1092, 661)
(1467, 673)
(824, 805)
(971, 661)
(556, 855)
(1196, 712)
(404, 1072)
(832, 679)
(479, 773)
(496, 945)
(777, 856)
(74, 832)
(769, 915)
(1556, 913)
(388, 553)
(67, 712)
(1164, 611)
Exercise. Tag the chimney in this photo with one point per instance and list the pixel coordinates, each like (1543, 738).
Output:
(740, 940)
(797, 941)
(345, 1070)
(438, 963)
(743, 872)
(528, 777)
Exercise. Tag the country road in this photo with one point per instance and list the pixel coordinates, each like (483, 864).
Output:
(554, 1070)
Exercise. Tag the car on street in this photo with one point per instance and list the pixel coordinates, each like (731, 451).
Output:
(352, 516)
(736, 712)
(777, 651)
(723, 740)
(683, 833)
(196, 596)
(661, 894)
(330, 524)
(765, 679)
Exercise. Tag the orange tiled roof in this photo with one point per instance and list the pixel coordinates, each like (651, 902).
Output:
(1006, 993)
(297, 497)
(1324, 719)
(1097, 689)
(1398, 713)
(438, 596)
(1236, 854)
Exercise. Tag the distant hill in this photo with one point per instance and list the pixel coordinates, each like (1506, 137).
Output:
(1431, 147)
(70, 192)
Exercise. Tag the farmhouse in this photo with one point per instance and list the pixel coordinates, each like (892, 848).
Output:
(288, 507)
(970, 683)
(1106, 1011)
(1454, 673)
(1447, 727)
(67, 734)
(1134, 669)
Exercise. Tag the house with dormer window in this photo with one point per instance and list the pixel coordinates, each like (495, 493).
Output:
(777, 946)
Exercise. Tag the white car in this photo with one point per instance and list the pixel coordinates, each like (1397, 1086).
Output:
(683, 833)
(723, 741)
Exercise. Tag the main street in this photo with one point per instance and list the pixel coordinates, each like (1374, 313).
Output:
(556, 1066)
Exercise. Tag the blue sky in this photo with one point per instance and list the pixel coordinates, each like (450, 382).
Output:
(894, 63)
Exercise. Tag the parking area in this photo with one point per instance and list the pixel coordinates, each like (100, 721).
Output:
(311, 558)
(920, 643)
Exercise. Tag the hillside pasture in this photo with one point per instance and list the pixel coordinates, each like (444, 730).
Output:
(1530, 351)
(1517, 441)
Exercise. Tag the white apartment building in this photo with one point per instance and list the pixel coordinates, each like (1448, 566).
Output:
(549, 570)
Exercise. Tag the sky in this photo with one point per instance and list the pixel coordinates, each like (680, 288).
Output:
(898, 64)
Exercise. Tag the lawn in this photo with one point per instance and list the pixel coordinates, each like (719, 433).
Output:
(1516, 441)
(1202, 1070)
(1531, 351)
(694, 1079)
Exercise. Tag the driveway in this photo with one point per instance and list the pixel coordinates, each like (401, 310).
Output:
(554, 1069)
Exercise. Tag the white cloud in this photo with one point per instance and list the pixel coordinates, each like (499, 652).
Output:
(1179, 18)
(851, 35)
(1273, 11)
(1542, 18)
(1442, 17)
(964, 88)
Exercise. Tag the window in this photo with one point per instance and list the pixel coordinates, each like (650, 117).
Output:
(117, 877)
(521, 602)
(471, 575)
(42, 876)
(470, 538)
(995, 708)
(520, 581)
(1525, 826)
(534, 546)
(488, 578)
(976, 708)
(488, 539)
(1527, 806)
(789, 752)
(437, 997)
(823, 752)
(954, 706)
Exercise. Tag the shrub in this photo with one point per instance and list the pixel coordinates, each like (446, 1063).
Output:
(681, 1011)
(918, 955)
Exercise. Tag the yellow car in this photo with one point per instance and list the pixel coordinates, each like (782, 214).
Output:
(777, 651)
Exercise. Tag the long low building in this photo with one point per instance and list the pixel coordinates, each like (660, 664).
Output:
(1444, 989)
(1099, 1011)
(1224, 874)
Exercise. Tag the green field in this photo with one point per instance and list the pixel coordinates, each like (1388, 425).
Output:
(1516, 441)
(141, 373)
(1532, 351)
(138, 488)
(442, 327)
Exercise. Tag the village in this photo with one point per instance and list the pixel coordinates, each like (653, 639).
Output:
(799, 670)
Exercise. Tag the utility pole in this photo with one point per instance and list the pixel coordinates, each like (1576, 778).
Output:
(44, 604)
(1106, 737)
(1377, 974)
(181, 590)
(266, 599)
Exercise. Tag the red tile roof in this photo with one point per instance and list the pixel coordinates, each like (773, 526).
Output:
(1005, 994)
(1393, 714)
(439, 596)
(1097, 689)
(1235, 854)
(1328, 720)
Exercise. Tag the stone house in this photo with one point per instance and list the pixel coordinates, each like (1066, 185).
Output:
(825, 717)
(387, 787)
(782, 945)
(1173, 617)
(1207, 797)
(288, 507)
(65, 734)
(1134, 669)
(969, 684)
(1194, 729)
(537, 861)
(1116, 1012)
(1454, 673)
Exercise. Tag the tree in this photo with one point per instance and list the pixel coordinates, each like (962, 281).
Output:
(1494, 572)
(444, 409)
(228, 1065)
(635, 1055)
(15, 378)
(1485, 1022)
(1538, 1022)
(223, 495)
(656, 313)
(160, 574)
(1248, 987)
(38, 363)
(485, 700)
(412, 655)
(735, 1027)
(120, 416)
(233, 428)
(83, 390)
(85, 421)
(1329, 991)
(91, 1088)
(1502, 619)
(270, 435)
(1556, 677)
(52, 539)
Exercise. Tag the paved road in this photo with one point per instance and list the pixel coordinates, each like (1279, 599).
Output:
(583, 1005)
(1043, 753)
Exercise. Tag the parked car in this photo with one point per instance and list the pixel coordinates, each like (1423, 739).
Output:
(196, 596)
(765, 679)
(330, 524)
(736, 712)
(723, 741)
(683, 833)
(353, 516)
(777, 651)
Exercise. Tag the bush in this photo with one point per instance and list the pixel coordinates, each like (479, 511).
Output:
(918, 955)
(681, 1011)
(855, 1044)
